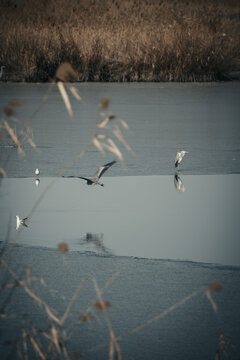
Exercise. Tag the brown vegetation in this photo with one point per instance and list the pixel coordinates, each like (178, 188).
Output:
(112, 40)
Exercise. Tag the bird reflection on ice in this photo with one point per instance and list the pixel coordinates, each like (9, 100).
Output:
(178, 183)
(97, 241)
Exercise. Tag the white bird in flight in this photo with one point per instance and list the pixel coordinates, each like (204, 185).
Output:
(37, 172)
(20, 222)
(94, 180)
(180, 155)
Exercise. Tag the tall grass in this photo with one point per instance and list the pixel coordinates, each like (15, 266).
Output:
(111, 40)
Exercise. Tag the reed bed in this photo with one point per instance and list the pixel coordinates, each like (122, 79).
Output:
(120, 41)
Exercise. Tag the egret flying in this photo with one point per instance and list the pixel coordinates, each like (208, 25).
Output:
(20, 222)
(180, 155)
(94, 180)
(37, 172)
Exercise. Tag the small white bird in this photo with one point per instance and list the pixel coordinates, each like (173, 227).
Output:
(180, 155)
(20, 222)
(37, 172)
(178, 183)
(37, 182)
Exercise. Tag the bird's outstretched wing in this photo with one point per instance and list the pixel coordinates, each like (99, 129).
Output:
(88, 180)
(23, 222)
(103, 168)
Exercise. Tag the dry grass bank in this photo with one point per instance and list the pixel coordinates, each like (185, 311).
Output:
(112, 40)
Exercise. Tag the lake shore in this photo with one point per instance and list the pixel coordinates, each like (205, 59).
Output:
(120, 41)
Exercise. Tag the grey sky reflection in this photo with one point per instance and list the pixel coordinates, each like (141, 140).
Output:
(142, 216)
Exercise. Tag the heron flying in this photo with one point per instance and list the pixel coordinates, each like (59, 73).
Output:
(180, 155)
(94, 180)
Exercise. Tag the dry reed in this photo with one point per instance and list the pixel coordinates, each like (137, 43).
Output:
(120, 41)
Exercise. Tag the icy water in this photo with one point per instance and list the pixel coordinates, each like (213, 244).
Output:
(162, 236)
(143, 216)
(163, 119)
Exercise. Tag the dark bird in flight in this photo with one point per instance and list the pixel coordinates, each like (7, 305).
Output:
(94, 180)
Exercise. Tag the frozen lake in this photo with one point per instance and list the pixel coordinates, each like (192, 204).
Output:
(139, 216)
(165, 234)
(163, 119)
